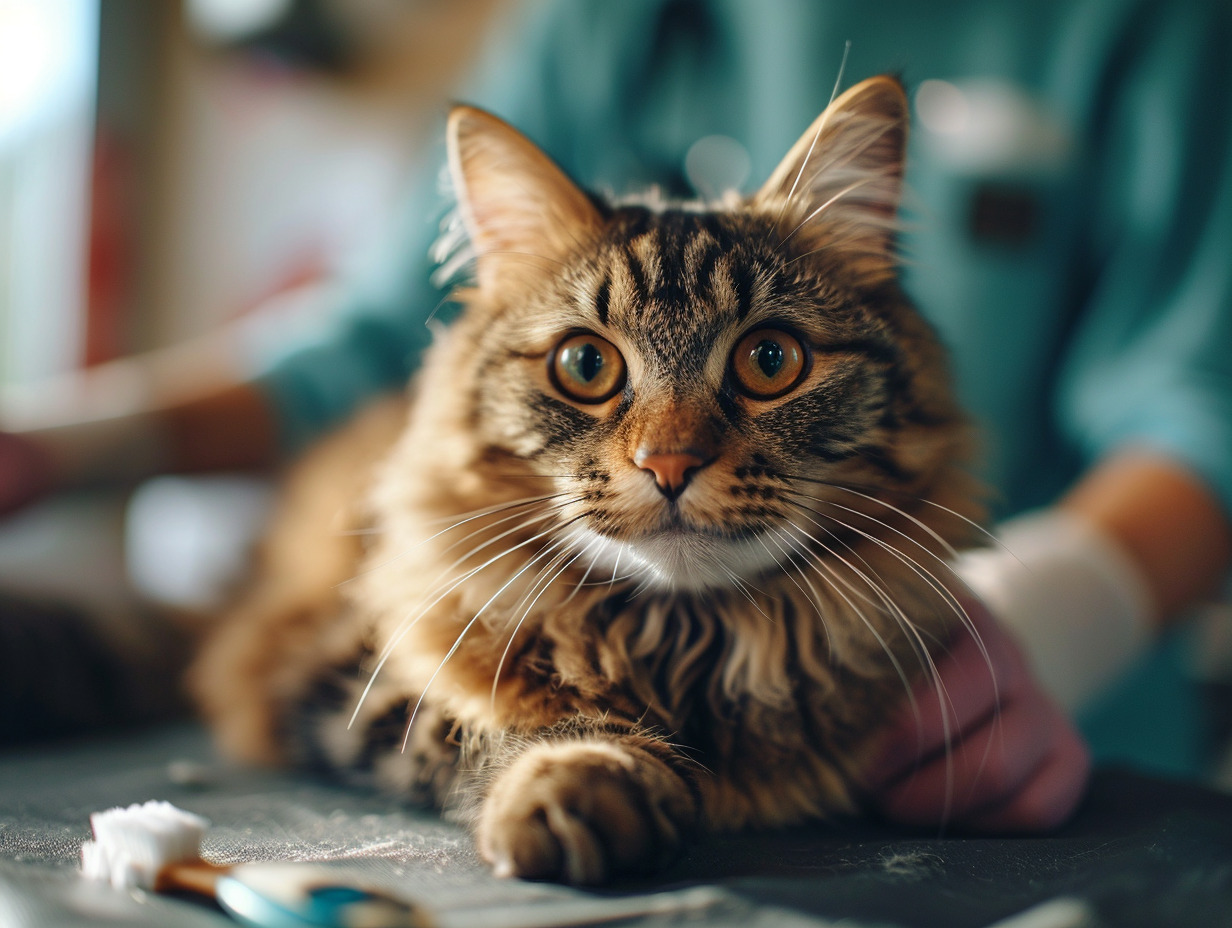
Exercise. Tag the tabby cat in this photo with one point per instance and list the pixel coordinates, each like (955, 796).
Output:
(662, 541)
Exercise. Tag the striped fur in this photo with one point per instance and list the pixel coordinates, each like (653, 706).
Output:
(589, 667)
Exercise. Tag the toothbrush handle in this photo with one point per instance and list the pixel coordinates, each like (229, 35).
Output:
(197, 876)
(298, 895)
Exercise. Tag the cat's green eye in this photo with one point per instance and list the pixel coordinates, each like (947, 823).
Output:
(587, 368)
(768, 363)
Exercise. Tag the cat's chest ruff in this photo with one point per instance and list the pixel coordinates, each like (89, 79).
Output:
(678, 655)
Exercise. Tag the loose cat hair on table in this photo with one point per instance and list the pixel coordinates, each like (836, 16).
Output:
(662, 542)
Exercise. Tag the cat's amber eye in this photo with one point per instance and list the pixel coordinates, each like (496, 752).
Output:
(768, 363)
(587, 368)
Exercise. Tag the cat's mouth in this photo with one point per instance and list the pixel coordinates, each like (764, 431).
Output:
(681, 557)
(673, 523)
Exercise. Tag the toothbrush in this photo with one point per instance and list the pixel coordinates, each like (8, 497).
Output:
(156, 846)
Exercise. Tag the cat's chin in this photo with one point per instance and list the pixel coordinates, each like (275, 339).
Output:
(679, 559)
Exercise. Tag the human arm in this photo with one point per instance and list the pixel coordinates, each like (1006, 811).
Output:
(980, 746)
(184, 410)
(1166, 520)
(1015, 761)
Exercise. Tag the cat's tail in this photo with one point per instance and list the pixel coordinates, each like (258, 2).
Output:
(65, 671)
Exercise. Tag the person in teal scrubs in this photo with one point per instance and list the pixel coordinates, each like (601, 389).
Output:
(1068, 230)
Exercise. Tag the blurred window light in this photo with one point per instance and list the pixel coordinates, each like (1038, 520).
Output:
(715, 165)
(990, 126)
(235, 20)
(942, 107)
(48, 76)
(42, 60)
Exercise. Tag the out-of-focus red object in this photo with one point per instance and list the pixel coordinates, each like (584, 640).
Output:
(112, 242)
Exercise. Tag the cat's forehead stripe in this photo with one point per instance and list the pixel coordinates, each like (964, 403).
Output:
(635, 275)
(602, 297)
(685, 262)
(647, 252)
(744, 282)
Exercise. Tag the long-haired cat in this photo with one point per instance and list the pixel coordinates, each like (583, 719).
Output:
(661, 544)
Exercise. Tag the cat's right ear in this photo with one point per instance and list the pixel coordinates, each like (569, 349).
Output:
(521, 211)
(843, 178)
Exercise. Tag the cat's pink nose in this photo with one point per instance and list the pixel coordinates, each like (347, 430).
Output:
(671, 470)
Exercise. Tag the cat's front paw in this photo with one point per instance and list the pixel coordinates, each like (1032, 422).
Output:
(583, 812)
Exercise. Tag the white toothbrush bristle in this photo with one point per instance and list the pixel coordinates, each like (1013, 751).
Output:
(132, 844)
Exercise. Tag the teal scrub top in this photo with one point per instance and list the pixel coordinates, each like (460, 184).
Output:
(1068, 221)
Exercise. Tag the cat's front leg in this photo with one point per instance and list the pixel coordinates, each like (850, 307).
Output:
(589, 808)
(369, 735)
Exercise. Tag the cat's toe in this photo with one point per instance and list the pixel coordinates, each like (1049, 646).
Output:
(550, 843)
(582, 814)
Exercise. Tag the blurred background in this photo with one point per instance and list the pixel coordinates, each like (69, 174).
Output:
(166, 167)
(174, 168)
(169, 169)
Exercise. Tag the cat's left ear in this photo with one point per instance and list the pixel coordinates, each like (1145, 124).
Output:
(521, 210)
(844, 176)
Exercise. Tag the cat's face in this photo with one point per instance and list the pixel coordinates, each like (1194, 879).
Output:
(695, 383)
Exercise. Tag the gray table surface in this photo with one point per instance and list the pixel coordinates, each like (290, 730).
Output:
(1141, 852)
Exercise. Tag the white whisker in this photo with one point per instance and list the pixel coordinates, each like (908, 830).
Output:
(950, 599)
(461, 518)
(837, 583)
(838, 80)
(842, 68)
(413, 618)
(919, 523)
(527, 523)
(812, 596)
(466, 629)
(565, 562)
(547, 513)
(577, 587)
(897, 611)
(380, 565)
(850, 188)
(881, 589)
(887, 605)
(616, 564)
(948, 709)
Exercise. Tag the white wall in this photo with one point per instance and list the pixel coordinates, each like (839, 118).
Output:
(48, 54)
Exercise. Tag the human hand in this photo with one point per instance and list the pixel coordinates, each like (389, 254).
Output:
(25, 472)
(1009, 760)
